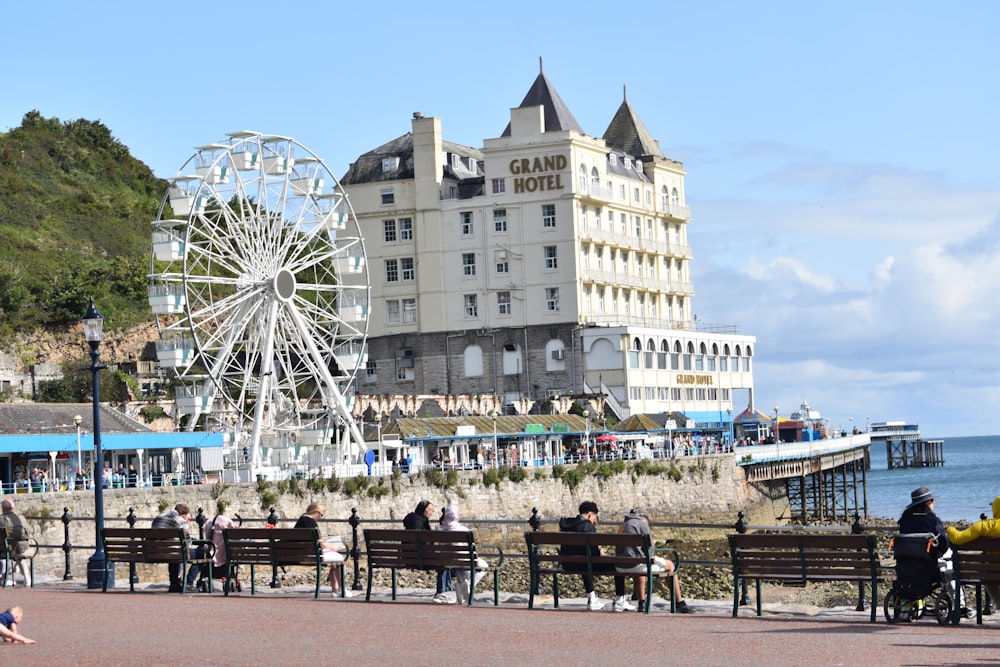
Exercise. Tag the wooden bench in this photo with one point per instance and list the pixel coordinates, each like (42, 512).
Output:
(545, 557)
(12, 559)
(802, 558)
(274, 548)
(154, 546)
(977, 563)
(429, 550)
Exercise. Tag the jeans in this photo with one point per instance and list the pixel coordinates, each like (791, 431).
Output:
(443, 582)
(174, 570)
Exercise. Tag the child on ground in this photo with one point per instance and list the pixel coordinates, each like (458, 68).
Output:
(8, 626)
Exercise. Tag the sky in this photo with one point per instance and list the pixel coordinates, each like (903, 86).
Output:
(841, 157)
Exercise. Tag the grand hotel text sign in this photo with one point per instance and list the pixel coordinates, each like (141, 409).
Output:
(537, 174)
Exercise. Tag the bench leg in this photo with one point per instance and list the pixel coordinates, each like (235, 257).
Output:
(532, 577)
(368, 593)
(760, 611)
(555, 591)
(737, 581)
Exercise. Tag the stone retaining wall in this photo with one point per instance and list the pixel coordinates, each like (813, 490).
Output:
(711, 489)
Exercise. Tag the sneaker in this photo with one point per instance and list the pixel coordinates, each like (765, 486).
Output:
(683, 608)
(594, 603)
(443, 598)
(967, 612)
(622, 604)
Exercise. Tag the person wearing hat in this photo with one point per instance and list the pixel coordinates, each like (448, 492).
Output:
(919, 517)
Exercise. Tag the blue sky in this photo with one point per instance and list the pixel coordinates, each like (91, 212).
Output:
(841, 156)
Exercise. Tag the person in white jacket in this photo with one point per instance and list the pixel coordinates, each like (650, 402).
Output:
(463, 589)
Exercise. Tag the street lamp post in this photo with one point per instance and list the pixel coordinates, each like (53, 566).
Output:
(78, 419)
(378, 426)
(852, 430)
(729, 418)
(494, 454)
(777, 435)
(93, 325)
(586, 427)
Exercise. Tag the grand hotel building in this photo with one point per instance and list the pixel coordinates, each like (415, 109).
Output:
(547, 263)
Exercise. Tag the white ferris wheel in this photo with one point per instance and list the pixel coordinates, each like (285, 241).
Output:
(259, 283)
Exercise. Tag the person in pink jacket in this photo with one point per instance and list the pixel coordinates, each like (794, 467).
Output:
(984, 528)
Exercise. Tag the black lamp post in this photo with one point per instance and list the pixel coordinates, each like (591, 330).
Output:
(93, 324)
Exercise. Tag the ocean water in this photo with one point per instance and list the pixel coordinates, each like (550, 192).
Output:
(963, 487)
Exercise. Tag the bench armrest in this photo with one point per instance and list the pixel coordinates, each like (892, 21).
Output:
(207, 547)
(495, 552)
(669, 553)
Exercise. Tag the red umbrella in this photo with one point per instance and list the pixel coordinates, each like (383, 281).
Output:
(607, 437)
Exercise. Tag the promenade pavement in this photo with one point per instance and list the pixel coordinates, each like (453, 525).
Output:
(75, 626)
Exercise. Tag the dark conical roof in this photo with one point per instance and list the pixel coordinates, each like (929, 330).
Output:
(627, 133)
(557, 114)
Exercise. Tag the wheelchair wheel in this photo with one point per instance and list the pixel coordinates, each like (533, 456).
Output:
(893, 607)
(942, 607)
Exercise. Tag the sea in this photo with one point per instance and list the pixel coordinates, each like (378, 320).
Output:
(963, 488)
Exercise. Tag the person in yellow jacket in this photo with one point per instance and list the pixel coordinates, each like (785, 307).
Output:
(984, 528)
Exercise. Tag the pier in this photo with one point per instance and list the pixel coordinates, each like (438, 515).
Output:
(904, 448)
(824, 480)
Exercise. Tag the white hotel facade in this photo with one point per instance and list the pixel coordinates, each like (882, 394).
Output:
(547, 263)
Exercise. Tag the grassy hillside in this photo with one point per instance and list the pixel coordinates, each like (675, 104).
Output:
(75, 209)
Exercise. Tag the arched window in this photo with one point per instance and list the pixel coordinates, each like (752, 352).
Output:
(661, 361)
(555, 355)
(595, 181)
(512, 363)
(583, 178)
(633, 353)
(472, 361)
(675, 357)
(664, 199)
(650, 351)
(674, 198)
(688, 359)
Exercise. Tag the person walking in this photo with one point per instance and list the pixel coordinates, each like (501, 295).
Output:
(17, 543)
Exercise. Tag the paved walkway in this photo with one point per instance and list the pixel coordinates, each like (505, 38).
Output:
(287, 627)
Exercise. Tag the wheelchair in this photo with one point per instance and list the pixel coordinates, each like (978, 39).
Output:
(923, 580)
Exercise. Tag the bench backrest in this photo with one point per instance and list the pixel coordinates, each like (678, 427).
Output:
(849, 557)
(420, 549)
(145, 545)
(978, 560)
(278, 546)
(584, 547)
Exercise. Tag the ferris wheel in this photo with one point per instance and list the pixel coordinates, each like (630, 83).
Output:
(259, 283)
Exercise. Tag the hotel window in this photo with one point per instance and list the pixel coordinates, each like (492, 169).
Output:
(661, 393)
(649, 198)
(548, 215)
(649, 354)
(612, 158)
(499, 185)
(500, 220)
(635, 194)
(711, 362)
(552, 299)
(713, 394)
(583, 178)
(699, 362)
(392, 311)
(583, 218)
(551, 260)
(633, 354)
(391, 270)
(675, 394)
(628, 163)
(649, 227)
(406, 269)
(661, 356)
(465, 218)
(635, 393)
(700, 394)
(469, 263)
(611, 220)
(746, 364)
(621, 192)
(674, 198)
(406, 229)
(390, 164)
(650, 393)
(689, 394)
(724, 363)
(623, 223)
(389, 231)
(502, 266)
(638, 225)
(471, 306)
(664, 199)
(371, 372)
(409, 311)
(503, 303)
(388, 197)
(595, 180)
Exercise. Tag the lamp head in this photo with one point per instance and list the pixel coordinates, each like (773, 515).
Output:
(77, 420)
(93, 325)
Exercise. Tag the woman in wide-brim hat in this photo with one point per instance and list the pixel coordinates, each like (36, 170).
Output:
(919, 517)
